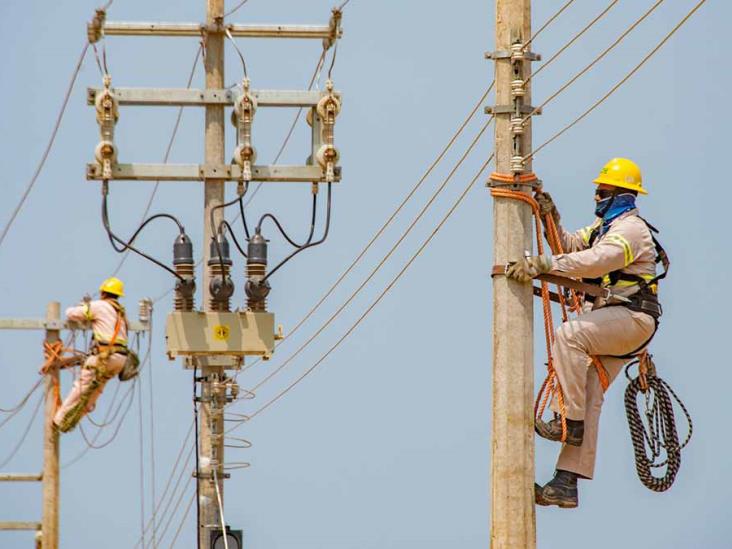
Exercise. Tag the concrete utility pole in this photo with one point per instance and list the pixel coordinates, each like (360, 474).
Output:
(211, 420)
(512, 470)
(49, 527)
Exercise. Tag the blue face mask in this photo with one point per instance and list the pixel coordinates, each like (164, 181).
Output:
(612, 207)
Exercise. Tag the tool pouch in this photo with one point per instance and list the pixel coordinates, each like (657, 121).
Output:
(131, 368)
(645, 302)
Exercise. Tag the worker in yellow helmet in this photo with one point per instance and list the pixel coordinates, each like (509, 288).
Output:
(619, 252)
(108, 357)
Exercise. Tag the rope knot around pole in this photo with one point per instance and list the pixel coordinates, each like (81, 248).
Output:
(95, 28)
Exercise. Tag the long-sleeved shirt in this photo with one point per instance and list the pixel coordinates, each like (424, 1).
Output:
(627, 247)
(103, 317)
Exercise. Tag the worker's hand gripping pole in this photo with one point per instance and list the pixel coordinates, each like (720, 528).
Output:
(243, 116)
(328, 109)
(107, 108)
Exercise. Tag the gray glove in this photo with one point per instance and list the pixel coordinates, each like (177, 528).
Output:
(530, 267)
(547, 206)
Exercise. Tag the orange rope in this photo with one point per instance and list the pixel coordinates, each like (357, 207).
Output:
(551, 386)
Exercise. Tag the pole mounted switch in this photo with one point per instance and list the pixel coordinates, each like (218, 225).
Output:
(185, 286)
(221, 285)
(257, 287)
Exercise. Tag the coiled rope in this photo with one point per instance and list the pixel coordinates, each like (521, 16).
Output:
(658, 434)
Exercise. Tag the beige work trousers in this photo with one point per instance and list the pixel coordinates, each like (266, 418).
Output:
(114, 366)
(608, 332)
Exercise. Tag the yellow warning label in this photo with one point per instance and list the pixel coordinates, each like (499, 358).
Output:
(221, 332)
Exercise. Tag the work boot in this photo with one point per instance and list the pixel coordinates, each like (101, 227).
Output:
(552, 430)
(560, 491)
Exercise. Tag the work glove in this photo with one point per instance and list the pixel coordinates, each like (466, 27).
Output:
(547, 207)
(529, 267)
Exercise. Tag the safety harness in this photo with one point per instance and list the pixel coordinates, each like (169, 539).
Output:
(661, 431)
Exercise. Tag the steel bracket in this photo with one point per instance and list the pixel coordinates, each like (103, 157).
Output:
(505, 54)
(510, 109)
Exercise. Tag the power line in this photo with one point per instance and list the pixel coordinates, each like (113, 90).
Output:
(235, 8)
(24, 436)
(381, 295)
(168, 150)
(389, 220)
(51, 142)
(595, 60)
(548, 22)
(576, 37)
(384, 259)
(183, 521)
(620, 83)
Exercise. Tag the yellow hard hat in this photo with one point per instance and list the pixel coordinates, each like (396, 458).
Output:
(113, 286)
(623, 173)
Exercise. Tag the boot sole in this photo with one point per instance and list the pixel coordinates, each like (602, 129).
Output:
(548, 501)
(543, 434)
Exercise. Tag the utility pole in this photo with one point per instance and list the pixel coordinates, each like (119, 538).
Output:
(211, 449)
(512, 467)
(215, 339)
(47, 531)
(49, 525)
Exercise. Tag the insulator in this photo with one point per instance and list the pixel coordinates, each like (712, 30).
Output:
(221, 287)
(185, 287)
(517, 163)
(517, 125)
(517, 52)
(145, 310)
(256, 287)
(243, 116)
(107, 108)
(517, 88)
(328, 109)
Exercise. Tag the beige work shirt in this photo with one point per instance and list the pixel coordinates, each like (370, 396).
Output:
(627, 247)
(103, 318)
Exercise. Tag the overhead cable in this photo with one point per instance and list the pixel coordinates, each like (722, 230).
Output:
(620, 83)
(391, 218)
(49, 146)
(384, 259)
(24, 436)
(548, 22)
(595, 61)
(386, 290)
(166, 156)
(576, 37)
(235, 8)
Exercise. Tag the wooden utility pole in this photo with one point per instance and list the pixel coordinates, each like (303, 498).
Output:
(49, 527)
(512, 469)
(211, 414)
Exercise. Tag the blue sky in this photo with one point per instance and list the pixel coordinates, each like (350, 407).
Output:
(387, 443)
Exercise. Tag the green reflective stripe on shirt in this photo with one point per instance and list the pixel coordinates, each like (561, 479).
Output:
(623, 242)
(87, 311)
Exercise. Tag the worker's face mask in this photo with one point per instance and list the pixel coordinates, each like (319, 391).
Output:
(604, 199)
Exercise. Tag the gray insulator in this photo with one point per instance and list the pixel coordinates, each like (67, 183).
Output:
(186, 287)
(223, 245)
(221, 288)
(183, 250)
(257, 250)
(257, 291)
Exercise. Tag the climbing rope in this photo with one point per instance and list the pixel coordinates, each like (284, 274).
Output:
(550, 388)
(658, 433)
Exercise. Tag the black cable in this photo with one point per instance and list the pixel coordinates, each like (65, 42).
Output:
(198, 467)
(282, 231)
(226, 224)
(128, 245)
(214, 232)
(311, 244)
(243, 217)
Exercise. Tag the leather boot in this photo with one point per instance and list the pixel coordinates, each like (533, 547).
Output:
(552, 430)
(560, 491)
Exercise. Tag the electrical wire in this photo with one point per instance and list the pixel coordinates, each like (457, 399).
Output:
(548, 22)
(168, 151)
(198, 460)
(283, 232)
(379, 298)
(182, 522)
(24, 436)
(309, 244)
(388, 222)
(595, 61)
(142, 464)
(22, 402)
(172, 516)
(384, 259)
(128, 245)
(104, 422)
(92, 444)
(235, 8)
(619, 84)
(49, 146)
(157, 508)
(576, 37)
